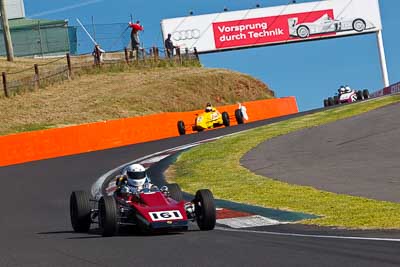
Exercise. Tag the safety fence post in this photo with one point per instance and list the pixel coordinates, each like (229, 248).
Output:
(187, 53)
(196, 54)
(157, 54)
(5, 84)
(143, 51)
(37, 76)
(69, 66)
(126, 55)
(178, 54)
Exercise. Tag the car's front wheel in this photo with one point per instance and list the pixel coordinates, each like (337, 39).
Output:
(79, 207)
(108, 220)
(205, 210)
(336, 100)
(331, 102)
(225, 119)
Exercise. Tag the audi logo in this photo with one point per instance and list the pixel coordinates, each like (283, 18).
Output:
(186, 35)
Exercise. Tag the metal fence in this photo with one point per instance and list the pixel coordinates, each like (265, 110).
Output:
(66, 67)
(111, 37)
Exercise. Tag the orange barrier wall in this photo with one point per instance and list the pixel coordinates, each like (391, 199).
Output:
(44, 144)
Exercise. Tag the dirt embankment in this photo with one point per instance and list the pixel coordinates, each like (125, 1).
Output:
(112, 95)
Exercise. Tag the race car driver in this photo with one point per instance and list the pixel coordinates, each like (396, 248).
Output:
(209, 108)
(133, 179)
(347, 89)
(341, 90)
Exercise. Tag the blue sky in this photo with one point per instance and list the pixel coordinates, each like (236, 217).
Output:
(310, 71)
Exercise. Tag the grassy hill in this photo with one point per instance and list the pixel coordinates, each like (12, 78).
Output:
(126, 93)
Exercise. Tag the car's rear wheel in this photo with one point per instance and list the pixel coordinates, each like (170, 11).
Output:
(326, 103)
(175, 192)
(303, 31)
(79, 207)
(239, 116)
(205, 209)
(330, 101)
(181, 128)
(108, 220)
(365, 93)
(225, 119)
(359, 95)
(359, 25)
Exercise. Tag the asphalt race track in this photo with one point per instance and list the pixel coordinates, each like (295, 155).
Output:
(356, 156)
(35, 229)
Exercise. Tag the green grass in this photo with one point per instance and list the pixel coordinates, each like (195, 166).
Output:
(216, 166)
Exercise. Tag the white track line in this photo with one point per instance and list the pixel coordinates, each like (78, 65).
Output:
(308, 235)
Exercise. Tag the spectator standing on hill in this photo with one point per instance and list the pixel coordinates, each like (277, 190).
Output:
(169, 46)
(98, 54)
(135, 41)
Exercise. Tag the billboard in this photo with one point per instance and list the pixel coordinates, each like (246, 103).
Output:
(274, 25)
(15, 9)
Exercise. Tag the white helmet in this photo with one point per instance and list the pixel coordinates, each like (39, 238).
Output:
(208, 107)
(348, 89)
(135, 174)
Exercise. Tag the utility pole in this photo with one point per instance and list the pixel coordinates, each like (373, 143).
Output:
(6, 31)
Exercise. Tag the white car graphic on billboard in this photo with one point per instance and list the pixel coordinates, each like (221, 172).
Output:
(326, 24)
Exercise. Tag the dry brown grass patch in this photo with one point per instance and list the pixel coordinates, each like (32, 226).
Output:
(130, 93)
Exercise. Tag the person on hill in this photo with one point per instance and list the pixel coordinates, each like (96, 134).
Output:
(135, 41)
(169, 46)
(98, 54)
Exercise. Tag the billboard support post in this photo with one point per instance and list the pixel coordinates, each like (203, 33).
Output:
(382, 57)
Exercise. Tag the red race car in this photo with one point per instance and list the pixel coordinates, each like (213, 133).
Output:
(148, 210)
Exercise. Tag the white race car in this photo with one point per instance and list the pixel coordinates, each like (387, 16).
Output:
(326, 24)
(348, 96)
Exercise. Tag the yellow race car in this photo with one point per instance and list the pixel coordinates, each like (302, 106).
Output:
(210, 118)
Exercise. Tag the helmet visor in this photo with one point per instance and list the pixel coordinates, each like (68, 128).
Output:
(136, 175)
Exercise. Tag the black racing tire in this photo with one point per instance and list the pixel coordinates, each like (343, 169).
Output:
(303, 31)
(336, 100)
(359, 95)
(359, 25)
(225, 119)
(326, 103)
(79, 208)
(175, 192)
(108, 220)
(239, 116)
(365, 94)
(206, 214)
(181, 128)
(330, 101)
